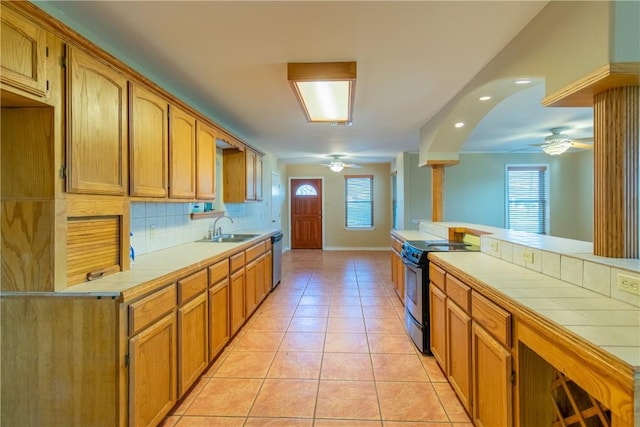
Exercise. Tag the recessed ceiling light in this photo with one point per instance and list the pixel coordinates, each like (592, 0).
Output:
(484, 98)
(459, 124)
(523, 82)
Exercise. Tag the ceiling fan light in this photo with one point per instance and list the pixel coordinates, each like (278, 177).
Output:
(557, 148)
(336, 166)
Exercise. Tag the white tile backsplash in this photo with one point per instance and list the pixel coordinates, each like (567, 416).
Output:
(551, 264)
(518, 252)
(571, 270)
(536, 265)
(597, 278)
(506, 251)
(174, 226)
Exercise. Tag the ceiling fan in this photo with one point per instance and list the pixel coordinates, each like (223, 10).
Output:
(557, 143)
(336, 164)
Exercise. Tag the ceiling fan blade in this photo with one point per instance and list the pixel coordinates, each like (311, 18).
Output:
(351, 165)
(582, 145)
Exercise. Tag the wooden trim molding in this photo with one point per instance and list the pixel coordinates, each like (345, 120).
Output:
(430, 163)
(581, 93)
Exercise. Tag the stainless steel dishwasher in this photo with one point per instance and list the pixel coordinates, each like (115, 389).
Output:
(276, 243)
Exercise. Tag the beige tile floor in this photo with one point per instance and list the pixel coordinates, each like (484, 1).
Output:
(327, 348)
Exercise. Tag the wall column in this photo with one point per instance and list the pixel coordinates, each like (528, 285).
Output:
(437, 190)
(616, 173)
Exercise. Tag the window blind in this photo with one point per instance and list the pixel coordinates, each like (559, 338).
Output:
(527, 205)
(359, 201)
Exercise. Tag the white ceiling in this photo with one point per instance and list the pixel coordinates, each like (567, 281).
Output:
(228, 58)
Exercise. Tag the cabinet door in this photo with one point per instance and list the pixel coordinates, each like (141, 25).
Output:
(492, 388)
(236, 282)
(205, 162)
(23, 53)
(258, 178)
(96, 126)
(260, 275)
(459, 352)
(193, 344)
(182, 154)
(437, 325)
(152, 373)
(250, 171)
(218, 318)
(148, 142)
(251, 279)
(268, 271)
(400, 279)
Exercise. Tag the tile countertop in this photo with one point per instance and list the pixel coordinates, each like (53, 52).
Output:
(156, 269)
(612, 325)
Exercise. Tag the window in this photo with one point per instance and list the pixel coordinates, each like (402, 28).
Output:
(527, 199)
(306, 190)
(359, 201)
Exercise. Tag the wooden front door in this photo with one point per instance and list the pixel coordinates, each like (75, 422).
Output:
(306, 214)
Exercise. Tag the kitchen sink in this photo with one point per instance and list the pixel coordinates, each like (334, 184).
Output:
(230, 238)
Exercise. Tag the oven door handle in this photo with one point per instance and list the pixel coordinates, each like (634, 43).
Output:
(406, 261)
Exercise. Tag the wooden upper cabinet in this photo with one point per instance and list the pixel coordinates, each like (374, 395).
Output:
(205, 162)
(258, 178)
(182, 154)
(96, 126)
(242, 175)
(148, 142)
(250, 170)
(24, 52)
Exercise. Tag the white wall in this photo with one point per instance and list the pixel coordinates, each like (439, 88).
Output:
(335, 235)
(474, 191)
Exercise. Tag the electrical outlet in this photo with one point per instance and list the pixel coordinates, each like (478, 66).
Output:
(629, 284)
(152, 231)
(527, 256)
(495, 246)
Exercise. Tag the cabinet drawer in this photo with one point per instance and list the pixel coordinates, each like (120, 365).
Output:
(146, 311)
(397, 245)
(236, 262)
(267, 244)
(492, 318)
(191, 286)
(436, 276)
(458, 292)
(254, 251)
(218, 271)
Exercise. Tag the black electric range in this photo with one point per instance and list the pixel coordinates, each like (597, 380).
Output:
(416, 285)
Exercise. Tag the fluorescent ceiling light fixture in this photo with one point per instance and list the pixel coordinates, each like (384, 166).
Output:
(484, 98)
(522, 82)
(459, 124)
(324, 90)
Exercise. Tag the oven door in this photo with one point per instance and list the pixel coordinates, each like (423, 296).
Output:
(413, 303)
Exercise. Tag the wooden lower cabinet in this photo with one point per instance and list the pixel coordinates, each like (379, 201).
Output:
(437, 325)
(193, 345)
(268, 272)
(251, 281)
(459, 352)
(397, 268)
(218, 317)
(236, 287)
(492, 387)
(153, 372)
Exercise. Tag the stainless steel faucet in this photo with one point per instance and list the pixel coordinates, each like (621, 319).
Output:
(218, 231)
